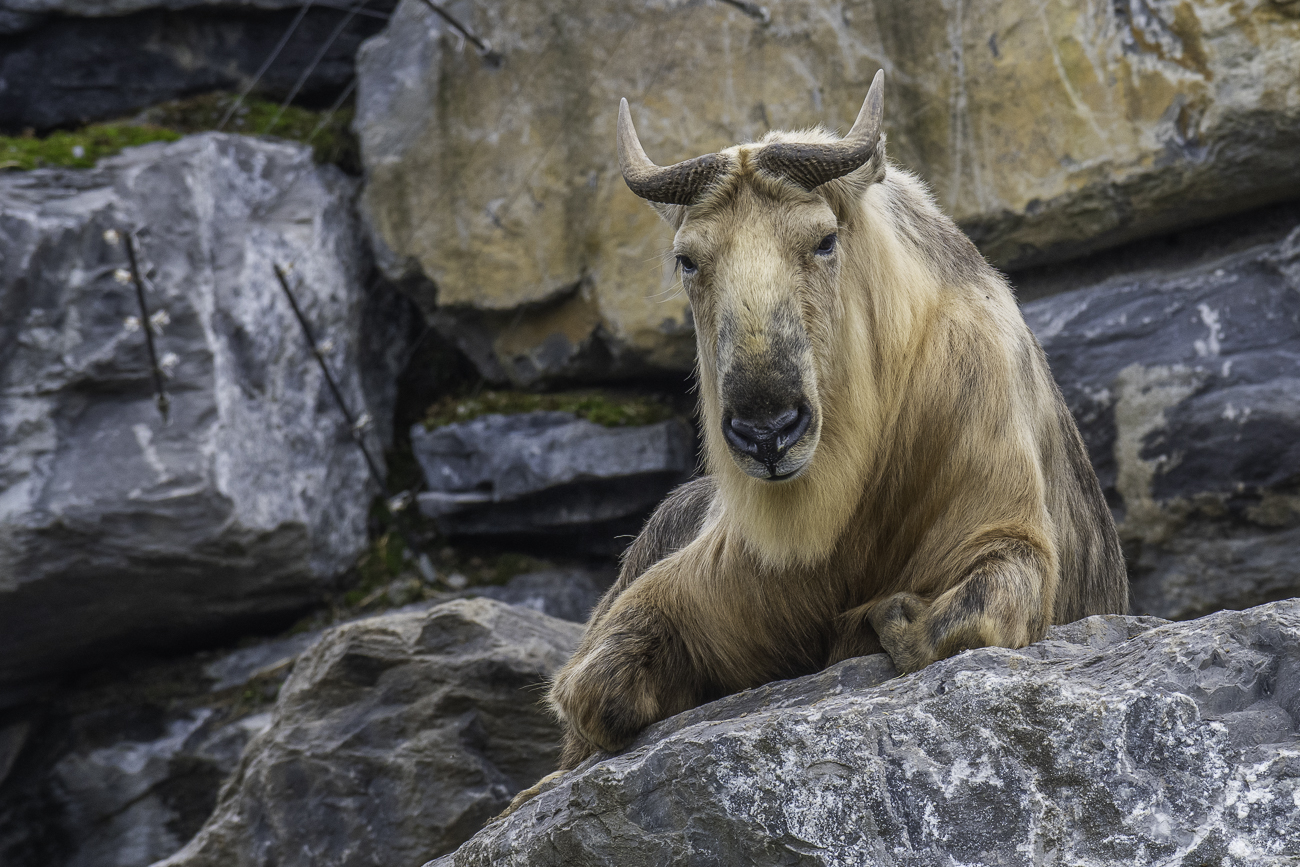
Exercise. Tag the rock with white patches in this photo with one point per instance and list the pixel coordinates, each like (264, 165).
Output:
(394, 739)
(1118, 740)
(1186, 387)
(120, 531)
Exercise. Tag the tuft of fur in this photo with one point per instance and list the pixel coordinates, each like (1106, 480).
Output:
(945, 499)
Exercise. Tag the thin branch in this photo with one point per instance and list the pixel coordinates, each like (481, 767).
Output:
(396, 505)
(358, 432)
(160, 395)
(753, 10)
(481, 44)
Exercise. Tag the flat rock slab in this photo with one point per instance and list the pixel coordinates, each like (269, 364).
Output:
(118, 530)
(546, 472)
(1116, 741)
(395, 737)
(1186, 387)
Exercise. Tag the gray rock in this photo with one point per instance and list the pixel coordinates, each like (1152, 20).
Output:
(260, 660)
(1116, 741)
(1186, 387)
(569, 594)
(116, 530)
(67, 69)
(122, 771)
(546, 472)
(395, 738)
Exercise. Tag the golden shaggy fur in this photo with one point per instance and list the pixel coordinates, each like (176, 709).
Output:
(944, 500)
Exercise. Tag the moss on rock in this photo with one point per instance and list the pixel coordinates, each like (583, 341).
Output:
(330, 136)
(79, 148)
(602, 408)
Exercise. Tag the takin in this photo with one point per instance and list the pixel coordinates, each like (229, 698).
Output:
(890, 463)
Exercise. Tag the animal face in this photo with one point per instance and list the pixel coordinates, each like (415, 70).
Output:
(760, 258)
(761, 269)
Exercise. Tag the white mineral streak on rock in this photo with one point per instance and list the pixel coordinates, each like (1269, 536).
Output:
(1143, 395)
(1209, 347)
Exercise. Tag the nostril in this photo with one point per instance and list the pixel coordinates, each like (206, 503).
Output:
(742, 435)
(767, 439)
(796, 424)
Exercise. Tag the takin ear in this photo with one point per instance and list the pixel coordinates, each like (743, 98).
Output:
(673, 215)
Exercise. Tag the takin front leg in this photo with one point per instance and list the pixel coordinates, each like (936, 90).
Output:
(634, 667)
(1000, 603)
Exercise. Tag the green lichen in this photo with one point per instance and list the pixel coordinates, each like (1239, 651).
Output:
(330, 136)
(77, 148)
(387, 576)
(598, 407)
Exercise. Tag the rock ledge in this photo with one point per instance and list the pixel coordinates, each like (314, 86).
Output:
(1118, 740)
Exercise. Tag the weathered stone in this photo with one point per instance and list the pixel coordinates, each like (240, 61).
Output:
(65, 70)
(1186, 387)
(124, 769)
(1116, 741)
(117, 530)
(1047, 130)
(394, 738)
(546, 472)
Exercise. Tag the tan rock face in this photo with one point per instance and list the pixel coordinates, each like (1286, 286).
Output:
(1047, 129)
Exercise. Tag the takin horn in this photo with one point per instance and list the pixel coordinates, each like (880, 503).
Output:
(678, 184)
(811, 165)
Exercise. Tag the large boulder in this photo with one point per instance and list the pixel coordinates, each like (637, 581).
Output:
(1115, 741)
(395, 737)
(1186, 386)
(1046, 130)
(548, 474)
(123, 768)
(118, 530)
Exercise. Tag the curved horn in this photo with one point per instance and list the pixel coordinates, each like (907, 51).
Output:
(679, 184)
(811, 165)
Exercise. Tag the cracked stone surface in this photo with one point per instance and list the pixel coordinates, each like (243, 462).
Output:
(1118, 740)
(395, 737)
(118, 531)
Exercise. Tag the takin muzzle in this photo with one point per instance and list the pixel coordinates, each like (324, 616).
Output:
(766, 412)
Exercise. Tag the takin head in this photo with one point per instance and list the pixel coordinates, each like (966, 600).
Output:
(761, 260)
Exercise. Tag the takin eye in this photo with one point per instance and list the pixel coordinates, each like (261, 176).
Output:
(687, 264)
(827, 245)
